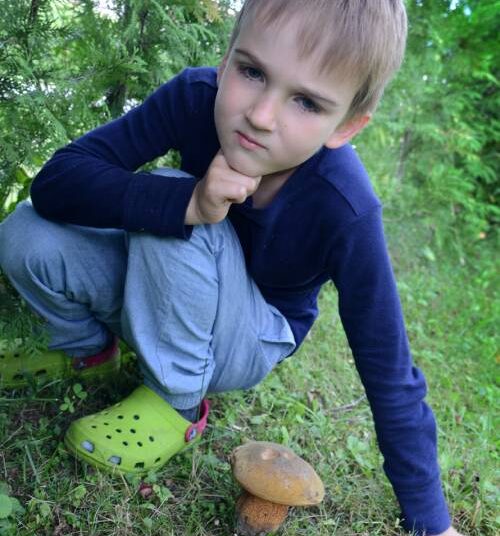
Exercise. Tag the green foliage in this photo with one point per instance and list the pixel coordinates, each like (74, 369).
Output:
(10, 509)
(438, 126)
(73, 398)
(18, 322)
(66, 68)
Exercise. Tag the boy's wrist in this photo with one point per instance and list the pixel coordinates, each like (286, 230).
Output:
(424, 509)
(192, 216)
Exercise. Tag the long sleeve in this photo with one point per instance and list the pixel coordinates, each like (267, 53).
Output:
(92, 182)
(371, 314)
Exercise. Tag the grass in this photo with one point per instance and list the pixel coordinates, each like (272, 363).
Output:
(314, 403)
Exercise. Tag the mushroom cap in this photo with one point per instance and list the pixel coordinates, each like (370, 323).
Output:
(275, 473)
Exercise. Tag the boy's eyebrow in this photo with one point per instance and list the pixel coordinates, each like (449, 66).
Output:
(302, 89)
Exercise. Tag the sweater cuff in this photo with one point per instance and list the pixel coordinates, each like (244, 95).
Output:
(157, 205)
(425, 512)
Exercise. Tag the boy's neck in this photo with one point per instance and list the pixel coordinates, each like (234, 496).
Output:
(268, 188)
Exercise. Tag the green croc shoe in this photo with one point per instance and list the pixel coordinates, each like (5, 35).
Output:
(17, 368)
(134, 436)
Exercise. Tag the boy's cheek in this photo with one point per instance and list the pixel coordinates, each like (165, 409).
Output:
(228, 102)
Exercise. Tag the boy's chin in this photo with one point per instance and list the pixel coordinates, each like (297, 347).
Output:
(245, 167)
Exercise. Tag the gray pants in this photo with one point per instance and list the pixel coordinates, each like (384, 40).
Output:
(188, 308)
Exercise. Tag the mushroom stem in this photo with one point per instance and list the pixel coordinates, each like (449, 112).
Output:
(257, 517)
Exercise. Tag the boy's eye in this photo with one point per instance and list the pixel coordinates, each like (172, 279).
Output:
(250, 72)
(308, 105)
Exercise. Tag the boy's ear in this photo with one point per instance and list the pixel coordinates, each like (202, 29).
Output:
(347, 131)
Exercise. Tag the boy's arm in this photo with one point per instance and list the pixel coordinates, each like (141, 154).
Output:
(92, 182)
(371, 315)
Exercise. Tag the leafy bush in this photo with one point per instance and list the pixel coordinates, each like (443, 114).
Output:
(438, 126)
(66, 67)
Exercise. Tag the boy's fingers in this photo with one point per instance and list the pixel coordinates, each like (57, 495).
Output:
(220, 159)
(225, 185)
(232, 186)
(256, 182)
(233, 192)
(247, 184)
(250, 184)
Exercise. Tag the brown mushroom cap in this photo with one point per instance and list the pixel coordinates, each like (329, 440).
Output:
(275, 473)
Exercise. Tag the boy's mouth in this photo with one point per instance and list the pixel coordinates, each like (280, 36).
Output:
(247, 142)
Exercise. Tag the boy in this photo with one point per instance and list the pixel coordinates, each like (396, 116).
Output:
(213, 282)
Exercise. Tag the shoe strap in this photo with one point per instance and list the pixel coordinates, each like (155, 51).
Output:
(197, 428)
(81, 363)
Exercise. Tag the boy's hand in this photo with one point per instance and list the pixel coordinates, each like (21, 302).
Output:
(215, 193)
(450, 532)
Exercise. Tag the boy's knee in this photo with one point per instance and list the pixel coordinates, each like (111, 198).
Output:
(204, 238)
(24, 240)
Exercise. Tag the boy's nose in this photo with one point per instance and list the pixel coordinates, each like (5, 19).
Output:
(262, 114)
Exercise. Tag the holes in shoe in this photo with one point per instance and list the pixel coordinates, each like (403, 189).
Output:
(108, 436)
(93, 426)
(115, 460)
(139, 465)
(157, 460)
(125, 443)
(106, 423)
(17, 355)
(88, 446)
(136, 417)
(120, 417)
(132, 431)
(139, 443)
(151, 438)
(118, 430)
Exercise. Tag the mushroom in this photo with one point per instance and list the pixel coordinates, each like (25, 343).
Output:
(273, 478)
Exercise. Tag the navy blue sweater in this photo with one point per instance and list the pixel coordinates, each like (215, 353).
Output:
(324, 224)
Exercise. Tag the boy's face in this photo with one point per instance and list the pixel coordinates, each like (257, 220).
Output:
(273, 109)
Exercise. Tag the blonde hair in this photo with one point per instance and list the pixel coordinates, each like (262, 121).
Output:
(364, 39)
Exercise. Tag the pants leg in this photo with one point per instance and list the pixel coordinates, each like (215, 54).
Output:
(72, 276)
(195, 316)
(188, 308)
